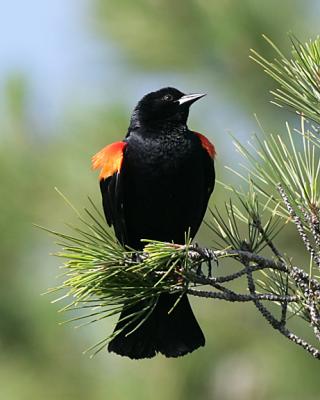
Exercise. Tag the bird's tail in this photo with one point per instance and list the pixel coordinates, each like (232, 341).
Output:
(173, 334)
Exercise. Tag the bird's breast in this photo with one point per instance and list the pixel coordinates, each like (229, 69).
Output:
(163, 187)
(163, 155)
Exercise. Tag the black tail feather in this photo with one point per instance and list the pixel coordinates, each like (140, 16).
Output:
(131, 341)
(172, 334)
(178, 332)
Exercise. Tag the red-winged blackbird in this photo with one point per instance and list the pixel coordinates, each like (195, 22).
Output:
(156, 184)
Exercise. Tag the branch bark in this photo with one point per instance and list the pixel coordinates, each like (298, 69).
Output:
(309, 287)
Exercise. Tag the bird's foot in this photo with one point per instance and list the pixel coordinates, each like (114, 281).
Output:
(206, 255)
(138, 257)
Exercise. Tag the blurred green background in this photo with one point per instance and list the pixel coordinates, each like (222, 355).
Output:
(70, 74)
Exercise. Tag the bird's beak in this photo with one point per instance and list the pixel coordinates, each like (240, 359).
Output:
(190, 98)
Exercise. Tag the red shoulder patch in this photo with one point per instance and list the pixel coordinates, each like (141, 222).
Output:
(109, 159)
(207, 145)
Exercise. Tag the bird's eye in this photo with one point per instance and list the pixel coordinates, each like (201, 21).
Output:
(168, 97)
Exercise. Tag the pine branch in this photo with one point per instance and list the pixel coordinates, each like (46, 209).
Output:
(242, 298)
(298, 77)
(102, 276)
(281, 173)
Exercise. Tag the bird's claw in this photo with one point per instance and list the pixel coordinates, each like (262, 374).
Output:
(138, 257)
(208, 255)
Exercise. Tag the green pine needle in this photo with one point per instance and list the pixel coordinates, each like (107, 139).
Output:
(298, 76)
(101, 276)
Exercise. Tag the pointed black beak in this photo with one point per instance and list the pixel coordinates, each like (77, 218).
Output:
(190, 98)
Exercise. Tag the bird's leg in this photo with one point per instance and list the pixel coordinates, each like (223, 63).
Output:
(138, 257)
(209, 268)
(199, 269)
(208, 255)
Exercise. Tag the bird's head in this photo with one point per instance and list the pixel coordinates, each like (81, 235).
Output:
(163, 106)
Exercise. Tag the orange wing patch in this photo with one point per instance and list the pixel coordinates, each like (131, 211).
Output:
(109, 159)
(207, 145)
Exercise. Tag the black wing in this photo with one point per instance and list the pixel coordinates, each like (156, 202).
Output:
(112, 201)
(210, 176)
(209, 179)
(208, 155)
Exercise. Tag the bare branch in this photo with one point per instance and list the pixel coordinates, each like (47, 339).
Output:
(299, 226)
(252, 262)
(238, 297)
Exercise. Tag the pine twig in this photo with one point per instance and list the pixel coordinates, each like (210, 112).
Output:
(299, 225)
(241, 298)
(276, 252)
(280, 325)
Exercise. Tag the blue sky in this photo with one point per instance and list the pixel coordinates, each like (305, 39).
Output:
(52, 45)
(48, 42)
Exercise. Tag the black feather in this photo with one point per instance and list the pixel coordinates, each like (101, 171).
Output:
(170, 329)
(161, 192)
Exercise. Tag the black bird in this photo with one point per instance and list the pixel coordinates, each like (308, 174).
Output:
(156, 184)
